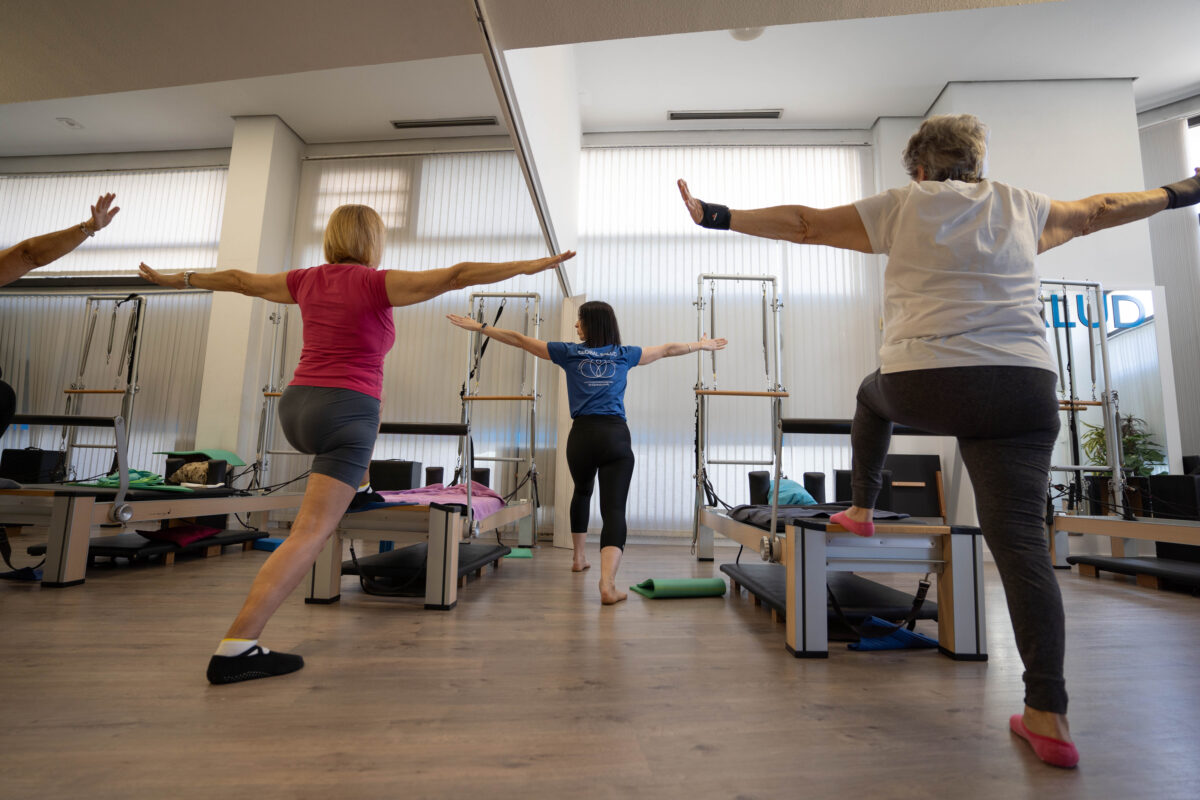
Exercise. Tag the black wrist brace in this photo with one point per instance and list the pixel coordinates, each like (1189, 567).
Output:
(1183, 193)
(715, 216)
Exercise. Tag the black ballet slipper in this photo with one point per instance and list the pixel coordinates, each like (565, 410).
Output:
(253, 663)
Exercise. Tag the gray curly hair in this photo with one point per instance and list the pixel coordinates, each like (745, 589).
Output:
(951, 147)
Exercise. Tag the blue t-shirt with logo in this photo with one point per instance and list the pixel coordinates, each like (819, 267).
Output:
(595, 375)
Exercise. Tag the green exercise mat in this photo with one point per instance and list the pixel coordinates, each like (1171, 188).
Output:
(520, 552)
(655, 588)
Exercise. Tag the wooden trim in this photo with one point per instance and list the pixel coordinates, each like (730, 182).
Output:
(272, 394)
(937, 479)
(1176, 531)
(909, 484)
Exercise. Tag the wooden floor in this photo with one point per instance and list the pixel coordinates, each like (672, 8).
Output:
(530, 689)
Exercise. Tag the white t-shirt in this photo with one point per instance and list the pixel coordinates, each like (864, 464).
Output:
(960, 288)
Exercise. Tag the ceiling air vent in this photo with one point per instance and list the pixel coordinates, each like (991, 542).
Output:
(448, 122)
(760, 113)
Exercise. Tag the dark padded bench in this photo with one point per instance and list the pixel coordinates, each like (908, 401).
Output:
(1172, 564)
(859, 597)
(402, 572)
(133, 546)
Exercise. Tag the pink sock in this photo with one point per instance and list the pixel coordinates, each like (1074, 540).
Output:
(857, 528)
(1054, 752)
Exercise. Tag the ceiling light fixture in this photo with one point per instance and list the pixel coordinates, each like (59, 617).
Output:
(761, 113)
(745, 34)
(70, 123)
(448, 122)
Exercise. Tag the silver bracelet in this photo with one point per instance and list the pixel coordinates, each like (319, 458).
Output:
(83, 226)
(187, 279)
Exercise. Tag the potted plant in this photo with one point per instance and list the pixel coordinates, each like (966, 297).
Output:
(1140, 454)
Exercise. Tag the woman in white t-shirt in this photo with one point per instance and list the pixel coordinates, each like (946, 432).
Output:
(964, 354)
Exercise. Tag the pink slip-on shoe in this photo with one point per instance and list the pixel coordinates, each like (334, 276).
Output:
(857, 528)
(1054, 752)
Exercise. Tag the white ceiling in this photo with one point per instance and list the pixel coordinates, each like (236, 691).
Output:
(351, 104)
(835, 74)
(845, 74)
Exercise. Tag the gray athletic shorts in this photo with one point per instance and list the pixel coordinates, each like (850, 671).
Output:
(337, 426)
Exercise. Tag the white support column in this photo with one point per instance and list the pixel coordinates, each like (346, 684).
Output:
(563, 485)
(256, 236)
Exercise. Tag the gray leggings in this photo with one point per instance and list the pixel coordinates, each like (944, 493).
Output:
(338, 426)
(1006, 422)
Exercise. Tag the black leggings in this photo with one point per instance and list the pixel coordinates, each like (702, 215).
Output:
(1006, 422)
(600, 444)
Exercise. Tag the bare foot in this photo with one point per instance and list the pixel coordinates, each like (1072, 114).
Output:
(579, 565)
(609, 595)
(1045, 723)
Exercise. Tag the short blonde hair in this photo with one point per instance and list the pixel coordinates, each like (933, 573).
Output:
(951, 147)
(354, 235)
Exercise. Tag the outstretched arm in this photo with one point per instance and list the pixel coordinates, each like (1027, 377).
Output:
(406, 288)
(652, 354)
(41, 250)
(1068, 220)
(526, 343)
(270, 286)
(840, 226)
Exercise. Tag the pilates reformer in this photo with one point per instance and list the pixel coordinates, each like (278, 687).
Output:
(810, 549)
(73, 515)
(702, 541)
(443, 527)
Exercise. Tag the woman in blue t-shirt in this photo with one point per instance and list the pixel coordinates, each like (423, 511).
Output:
(595, 370)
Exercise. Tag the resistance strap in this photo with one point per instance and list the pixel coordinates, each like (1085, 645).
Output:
(909, 622)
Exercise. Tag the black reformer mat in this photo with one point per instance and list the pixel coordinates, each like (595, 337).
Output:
(134, 547)
(401, 572)
(859, 597)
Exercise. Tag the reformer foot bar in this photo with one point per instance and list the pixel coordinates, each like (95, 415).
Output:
(74, 514)
(814, 547)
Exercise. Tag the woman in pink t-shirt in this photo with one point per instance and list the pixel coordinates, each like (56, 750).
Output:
(331, 407)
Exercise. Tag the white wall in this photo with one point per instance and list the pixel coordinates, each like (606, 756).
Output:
(1068, 139)
(1175, 243)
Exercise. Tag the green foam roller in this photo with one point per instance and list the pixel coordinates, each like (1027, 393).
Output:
(520, 552)
(656, 588)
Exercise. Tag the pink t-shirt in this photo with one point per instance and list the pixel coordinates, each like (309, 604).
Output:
(348, 326)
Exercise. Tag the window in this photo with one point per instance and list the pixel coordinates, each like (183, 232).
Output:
(169, 217)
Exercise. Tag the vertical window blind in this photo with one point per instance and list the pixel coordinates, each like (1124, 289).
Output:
(643, 255)
(168, 216)
(440, 209)
(171, 217)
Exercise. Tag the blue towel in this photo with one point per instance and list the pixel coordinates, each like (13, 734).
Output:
(901, 639)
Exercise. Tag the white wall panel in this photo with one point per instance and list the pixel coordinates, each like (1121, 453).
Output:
(642, 254)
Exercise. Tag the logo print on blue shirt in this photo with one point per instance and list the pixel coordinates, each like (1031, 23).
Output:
(597, 369)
